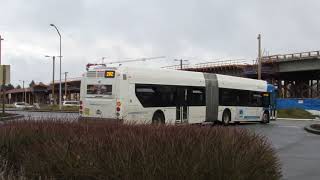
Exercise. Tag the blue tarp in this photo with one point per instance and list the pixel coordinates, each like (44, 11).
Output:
(307, 104)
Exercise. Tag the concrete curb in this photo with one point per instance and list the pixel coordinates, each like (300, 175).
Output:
(13, 117)
(19, 110)
(53, 111)
(293, 119)
(312, 130)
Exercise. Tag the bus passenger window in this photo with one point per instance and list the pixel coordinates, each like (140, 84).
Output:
(196, 97)
(256, 100)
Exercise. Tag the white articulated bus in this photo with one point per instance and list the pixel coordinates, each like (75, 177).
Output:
(171, 96)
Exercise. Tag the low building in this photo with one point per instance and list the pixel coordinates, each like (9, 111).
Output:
(42, 94)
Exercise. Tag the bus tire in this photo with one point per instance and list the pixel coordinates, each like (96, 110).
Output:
(265, 118)
(226, 117)
(158, 118)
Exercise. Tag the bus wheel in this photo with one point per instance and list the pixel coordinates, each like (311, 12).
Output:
(158, 118)
(265, 118)
(226, 117)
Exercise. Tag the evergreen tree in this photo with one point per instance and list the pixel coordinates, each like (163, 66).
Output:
(9, 87)
(32, 83)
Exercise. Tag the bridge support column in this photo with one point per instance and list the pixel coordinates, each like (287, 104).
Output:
(317, 94)
(285, 93)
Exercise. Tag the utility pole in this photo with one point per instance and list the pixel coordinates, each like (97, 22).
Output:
(3, 82)
(25, 95)
(53, 72)
(1, 39)
(181, 62)
(102, 60)
(65, 85)
(3, 89)
(259, 56)
(24, 92)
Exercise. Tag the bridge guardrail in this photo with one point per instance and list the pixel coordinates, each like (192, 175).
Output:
(211, 64)
(291, 57)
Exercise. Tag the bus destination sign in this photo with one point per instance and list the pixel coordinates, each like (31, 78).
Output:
(109, 74)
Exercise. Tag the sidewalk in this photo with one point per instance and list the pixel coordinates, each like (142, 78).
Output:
(294, 119)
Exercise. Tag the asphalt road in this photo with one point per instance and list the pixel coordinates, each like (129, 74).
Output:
(298, 150)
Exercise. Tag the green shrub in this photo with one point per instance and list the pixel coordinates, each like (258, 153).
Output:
(99, 150)
(295, 113)
(9, 106)
(63, 108)
(5, 114)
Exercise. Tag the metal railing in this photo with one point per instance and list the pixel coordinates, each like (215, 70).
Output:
(222, 63)
(291, 57)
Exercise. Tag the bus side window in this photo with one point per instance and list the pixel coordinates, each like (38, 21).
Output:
(156, 95)
(196, 96)
(166, 96)
(244, 97)
(256, 99)
(227, 97)
(145, 95)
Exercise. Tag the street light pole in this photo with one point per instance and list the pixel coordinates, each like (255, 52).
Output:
(65, 85)
(60, 86)
(53, 66)
(24, 92)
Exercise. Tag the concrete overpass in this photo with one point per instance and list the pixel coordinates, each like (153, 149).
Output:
(297, 75)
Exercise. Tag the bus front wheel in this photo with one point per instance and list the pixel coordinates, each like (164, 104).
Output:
(158, 118)
(265, 118)
(226, 117)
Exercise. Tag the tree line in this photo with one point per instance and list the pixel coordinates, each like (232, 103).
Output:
(10, 86)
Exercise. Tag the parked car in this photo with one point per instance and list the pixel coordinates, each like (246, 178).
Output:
(71, 103)
(22, 105)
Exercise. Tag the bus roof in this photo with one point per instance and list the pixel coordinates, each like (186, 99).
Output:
(165, 76)
(178, 77)
(233, 82)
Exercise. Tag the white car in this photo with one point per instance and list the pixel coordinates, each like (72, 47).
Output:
(71, 103)
(22, 105)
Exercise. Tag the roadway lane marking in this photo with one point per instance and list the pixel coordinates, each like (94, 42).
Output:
(288, 126)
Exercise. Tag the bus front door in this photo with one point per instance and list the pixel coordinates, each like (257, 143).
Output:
(182, 109)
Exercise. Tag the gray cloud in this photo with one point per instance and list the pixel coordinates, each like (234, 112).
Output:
(191, 29)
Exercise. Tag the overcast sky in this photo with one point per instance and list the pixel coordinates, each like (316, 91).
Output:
(197, 30)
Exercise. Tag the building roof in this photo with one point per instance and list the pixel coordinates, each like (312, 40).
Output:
(12, 91)
(41, 87)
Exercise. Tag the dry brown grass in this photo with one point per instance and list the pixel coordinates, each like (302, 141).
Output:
(100, 150)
